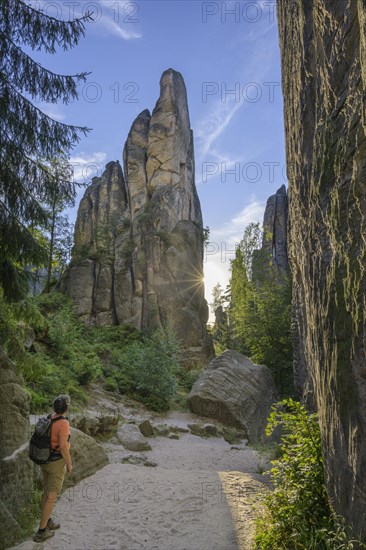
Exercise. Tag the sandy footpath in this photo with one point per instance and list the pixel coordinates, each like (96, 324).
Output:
(199, 496)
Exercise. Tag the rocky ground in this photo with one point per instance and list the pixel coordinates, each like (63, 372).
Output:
(187, 492)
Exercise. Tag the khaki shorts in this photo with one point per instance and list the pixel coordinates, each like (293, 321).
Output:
(53, 475)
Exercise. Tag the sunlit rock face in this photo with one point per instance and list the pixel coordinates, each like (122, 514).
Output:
(138, 254)
(273, 253)
(324, 86)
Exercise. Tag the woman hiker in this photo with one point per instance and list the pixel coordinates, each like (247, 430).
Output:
(54, 471)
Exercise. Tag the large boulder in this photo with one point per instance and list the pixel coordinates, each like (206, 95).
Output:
(103, 425)
(131, 438)
(235, 391)
(87, 457)
(323, 54)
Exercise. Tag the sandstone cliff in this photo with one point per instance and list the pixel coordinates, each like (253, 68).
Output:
(16, 470)
(274, 245)
(324, 85)
(138, 254)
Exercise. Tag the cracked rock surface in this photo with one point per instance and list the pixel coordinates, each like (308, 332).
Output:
(323, 47)
(138, 252)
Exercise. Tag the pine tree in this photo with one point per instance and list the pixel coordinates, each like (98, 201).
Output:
(28, 136)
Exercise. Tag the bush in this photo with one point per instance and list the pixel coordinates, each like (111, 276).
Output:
(51, 302)
(111, 384)
(187, 378)
(87, 368)
(65, 328)
(39, 401)
(78, 394)
(147, 369)
(298, 513)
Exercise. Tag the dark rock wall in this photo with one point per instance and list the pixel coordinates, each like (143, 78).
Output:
(324, 85)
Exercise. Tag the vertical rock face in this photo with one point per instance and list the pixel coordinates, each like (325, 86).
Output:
(90, 280)
(274, 245)
(138, 254)
(275, 229)
(324, 85)
(16, 470)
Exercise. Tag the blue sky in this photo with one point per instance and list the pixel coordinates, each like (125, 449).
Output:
(228, 54)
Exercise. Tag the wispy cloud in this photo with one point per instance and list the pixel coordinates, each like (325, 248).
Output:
(211, 128)
(220, 108)
(87, 165)
(119, 18)
(122, 32)
(52, 111)
(231, 232)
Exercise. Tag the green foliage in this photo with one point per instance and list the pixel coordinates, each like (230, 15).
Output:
(217, 297)
(298, 514)
(148, 369)
(164, 236)
(257, 321)
(251, 241)
(111, 384)
(240, 295)
(50, 303)
(87, 368)
(69, 355)
(29, 514)
(26, 184)
(67, 360)
(266, 330)
(14, 321)
(65, 329)
(186, 378)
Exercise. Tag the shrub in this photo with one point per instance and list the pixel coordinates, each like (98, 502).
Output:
(111, 384)
(65, 328)
(51, 302)
(298, 514)
(39, 401)
(147, 369)
(187, 378)
(78, 394)
(87, 368)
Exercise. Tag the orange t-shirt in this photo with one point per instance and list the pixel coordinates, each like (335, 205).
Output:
(61, 427)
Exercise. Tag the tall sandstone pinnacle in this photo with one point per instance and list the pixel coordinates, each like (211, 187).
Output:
(323, 46)
(274, 243)
(138, 251)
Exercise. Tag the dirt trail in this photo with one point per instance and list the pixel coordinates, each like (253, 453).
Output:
(199, 496)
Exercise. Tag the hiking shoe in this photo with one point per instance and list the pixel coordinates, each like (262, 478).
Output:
(52, 525)
(41, 536)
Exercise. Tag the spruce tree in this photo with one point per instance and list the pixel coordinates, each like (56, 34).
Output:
(28, 136)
